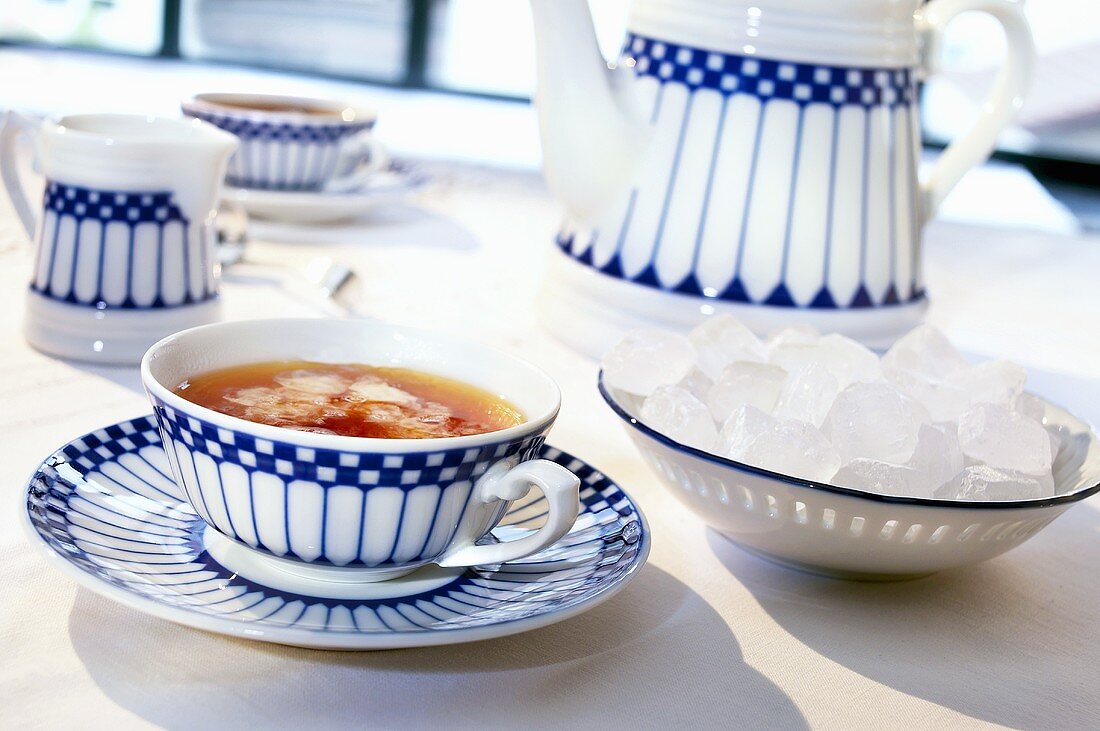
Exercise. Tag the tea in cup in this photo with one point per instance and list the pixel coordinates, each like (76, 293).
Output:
(356, 451)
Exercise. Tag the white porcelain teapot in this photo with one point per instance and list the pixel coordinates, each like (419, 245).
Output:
(755, 157)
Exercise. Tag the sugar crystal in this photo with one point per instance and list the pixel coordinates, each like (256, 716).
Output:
(745, 382)
(807, 395)
(678, 415)
(884, 478)
(646, 359)
(722, 340)
(1004, 440)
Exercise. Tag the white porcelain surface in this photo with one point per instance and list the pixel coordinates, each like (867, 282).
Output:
(590, 312)
(117, 337)
(848, 533)
(760, 154)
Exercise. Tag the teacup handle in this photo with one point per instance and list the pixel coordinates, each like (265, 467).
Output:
(16, 125)
(559, 486)
(1013, 79)
(368, 156)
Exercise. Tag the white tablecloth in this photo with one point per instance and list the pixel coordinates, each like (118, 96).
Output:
(706, 636)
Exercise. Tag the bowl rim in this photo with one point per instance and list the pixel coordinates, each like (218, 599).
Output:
(625, 415)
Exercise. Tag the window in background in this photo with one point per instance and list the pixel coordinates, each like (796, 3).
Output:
(125, 26)
(360, 38)
(488, 46)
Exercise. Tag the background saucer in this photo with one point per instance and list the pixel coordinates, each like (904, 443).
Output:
(298, 206)
(106, 510)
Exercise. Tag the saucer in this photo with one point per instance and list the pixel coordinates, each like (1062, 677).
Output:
(321, 206)
(107, 512)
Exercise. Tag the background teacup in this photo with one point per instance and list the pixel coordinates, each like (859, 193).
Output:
(322, 506)
(123, 232)
(293, 143)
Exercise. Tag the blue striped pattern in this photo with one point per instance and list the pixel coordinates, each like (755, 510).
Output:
(875, 267)
(156, 258)
(124, 523)
(233, 479)
(282, 155)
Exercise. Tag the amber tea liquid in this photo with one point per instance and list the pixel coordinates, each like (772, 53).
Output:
(350, 399)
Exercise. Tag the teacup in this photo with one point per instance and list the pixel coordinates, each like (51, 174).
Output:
(358, 509)
(293, 143)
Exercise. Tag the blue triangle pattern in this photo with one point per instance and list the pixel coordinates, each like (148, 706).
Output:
(690, 285)
(891, 296)
(862, 298)
(780, 297)
(649, 276)
(735, 292)
(613, 268)
(585, 257)
(823, 300)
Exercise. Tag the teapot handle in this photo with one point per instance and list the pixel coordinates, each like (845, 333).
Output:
(16, 125)
(1006, 97)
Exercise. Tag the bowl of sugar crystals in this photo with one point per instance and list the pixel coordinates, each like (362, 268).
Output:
(813, 452)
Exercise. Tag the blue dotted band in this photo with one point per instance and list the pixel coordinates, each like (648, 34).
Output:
(105, 206)
(767, 79)
(252, 130)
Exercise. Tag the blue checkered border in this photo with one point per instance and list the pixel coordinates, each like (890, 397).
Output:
(329, 467)
(108, 205)
(767, 79)
(249, 130)
(109, 443)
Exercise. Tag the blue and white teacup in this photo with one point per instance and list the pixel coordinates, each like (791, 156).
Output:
(351, 508)
(293, 143)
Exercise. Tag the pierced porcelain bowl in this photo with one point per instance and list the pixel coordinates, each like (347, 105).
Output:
(847, 533)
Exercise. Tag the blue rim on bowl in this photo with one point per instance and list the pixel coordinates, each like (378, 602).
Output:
(626, 416)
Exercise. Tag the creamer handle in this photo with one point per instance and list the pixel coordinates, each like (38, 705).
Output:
(15, 126)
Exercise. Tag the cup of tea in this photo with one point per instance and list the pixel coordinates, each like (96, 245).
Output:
(353, 450)
(123, 232)
(293, 143)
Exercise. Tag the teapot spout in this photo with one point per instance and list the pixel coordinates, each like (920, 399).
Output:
(591, 136)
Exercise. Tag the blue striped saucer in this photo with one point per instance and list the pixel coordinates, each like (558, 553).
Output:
(112, 518)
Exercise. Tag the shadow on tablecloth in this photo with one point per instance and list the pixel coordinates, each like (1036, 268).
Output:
(656, 655)
(1012, 641)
